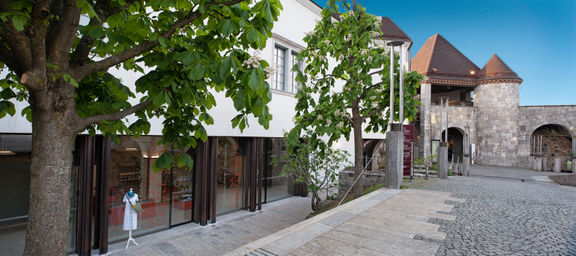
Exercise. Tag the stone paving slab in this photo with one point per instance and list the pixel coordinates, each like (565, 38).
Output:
(231, 231)
(512, 216)
(371, 225)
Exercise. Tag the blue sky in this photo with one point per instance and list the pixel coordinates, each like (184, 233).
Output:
(536, 38)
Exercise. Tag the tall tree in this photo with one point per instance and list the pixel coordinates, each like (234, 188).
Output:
(56, 54)
(345, 84)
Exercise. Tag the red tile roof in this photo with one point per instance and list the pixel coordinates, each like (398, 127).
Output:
(438, 57)
(443, 64)
(496, 69)
(391, 31)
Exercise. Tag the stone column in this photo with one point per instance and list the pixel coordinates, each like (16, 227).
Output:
(443, 161)
(466, 165)
(425, 94)
(557, 164)
(394, 152)
(574, 154)
(537, 163)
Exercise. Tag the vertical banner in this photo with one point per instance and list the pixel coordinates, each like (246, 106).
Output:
(409, 133)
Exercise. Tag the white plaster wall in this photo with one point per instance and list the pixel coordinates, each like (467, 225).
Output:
(297, 18)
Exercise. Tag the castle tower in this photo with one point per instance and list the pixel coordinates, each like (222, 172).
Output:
(449, 74)
(497, 99)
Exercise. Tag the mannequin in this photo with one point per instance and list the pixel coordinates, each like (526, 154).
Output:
(130, 215)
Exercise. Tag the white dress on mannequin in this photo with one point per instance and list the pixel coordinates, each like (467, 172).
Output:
(130, 215)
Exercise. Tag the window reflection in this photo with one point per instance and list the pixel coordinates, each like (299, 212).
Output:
(229, 178)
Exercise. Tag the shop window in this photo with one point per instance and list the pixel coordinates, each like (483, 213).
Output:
(15, 161)
(131, 168)
(229, 175)
(276, 184)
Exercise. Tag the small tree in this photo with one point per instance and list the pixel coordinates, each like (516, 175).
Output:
(316, 168)
(339, 98)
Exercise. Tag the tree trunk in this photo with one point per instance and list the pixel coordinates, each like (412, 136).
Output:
(358, 152)
(52, 159)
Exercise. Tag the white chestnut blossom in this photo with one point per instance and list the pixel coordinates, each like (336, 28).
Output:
(340, 125)
(269, 71)
(253, 61)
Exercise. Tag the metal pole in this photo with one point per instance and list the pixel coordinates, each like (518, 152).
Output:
(446, 131)
(401, 84)
(391, 84)
(411, 160)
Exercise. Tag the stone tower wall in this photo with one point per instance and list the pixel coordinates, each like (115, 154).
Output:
(497, 123)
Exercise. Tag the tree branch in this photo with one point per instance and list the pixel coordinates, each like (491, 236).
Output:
(63, 34)
(375, 72)
(37, 32)
(112, 116)
(104, 64)
(8, 58)
(82, 51)
(374, 112)
(19, 45)
(369, 88)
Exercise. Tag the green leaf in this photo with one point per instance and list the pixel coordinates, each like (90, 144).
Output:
(162, 42)
(255, 80)
(253, 35)
(225, 68)
(27, 112)
(197, 72)
(7, 94)
(158, 99)
(19, 21)
(227, 27)
(7, 107)
(165, 161)
(236, 120)
(87, 8)
(184, 160)
(96, 32)
(240, 100)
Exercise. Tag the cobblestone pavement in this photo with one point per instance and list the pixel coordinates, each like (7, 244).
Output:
(507, 217)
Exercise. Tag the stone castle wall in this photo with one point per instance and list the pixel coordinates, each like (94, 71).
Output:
(497, 123)
(533, 117)
(463, 118)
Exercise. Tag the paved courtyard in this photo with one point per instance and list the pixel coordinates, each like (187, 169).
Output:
(507, 216)
(497, 211)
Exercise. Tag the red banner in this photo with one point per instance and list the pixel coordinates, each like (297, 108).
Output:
(409, 133)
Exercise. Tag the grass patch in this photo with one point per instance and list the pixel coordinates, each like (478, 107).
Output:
(373, 188)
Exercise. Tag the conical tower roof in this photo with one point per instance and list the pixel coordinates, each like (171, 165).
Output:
(496, 70)
(444, 64)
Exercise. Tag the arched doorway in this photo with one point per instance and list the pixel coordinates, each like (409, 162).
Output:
(374, 153)
(552, 141)
(455, 144)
